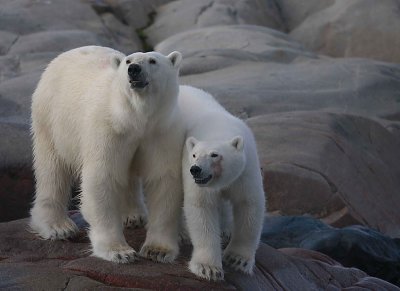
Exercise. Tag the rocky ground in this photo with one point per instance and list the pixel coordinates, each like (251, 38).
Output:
(317, 81)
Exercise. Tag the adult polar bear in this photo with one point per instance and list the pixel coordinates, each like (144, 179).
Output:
(220, 164)
(108, 118)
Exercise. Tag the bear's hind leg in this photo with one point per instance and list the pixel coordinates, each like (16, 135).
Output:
(49, 217)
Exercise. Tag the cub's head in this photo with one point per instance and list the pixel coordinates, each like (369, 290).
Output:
(215, 164)
(149, 73)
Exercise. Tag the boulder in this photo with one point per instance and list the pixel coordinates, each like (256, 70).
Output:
(185, 15)
(353, 246)
(215, 48)
(27, 262)
(358, 28)
(355, 86)
(319, 163)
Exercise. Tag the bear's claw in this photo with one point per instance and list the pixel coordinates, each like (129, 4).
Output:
(157, 254)
(238, 262)
(208, 272)
(135, 221)
(123, 256)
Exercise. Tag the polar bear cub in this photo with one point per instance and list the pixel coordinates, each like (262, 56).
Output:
(106, 119)
(220, 163)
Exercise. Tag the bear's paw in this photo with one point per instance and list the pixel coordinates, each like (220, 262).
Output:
(206, 271)
(158, 254)
(238, 262)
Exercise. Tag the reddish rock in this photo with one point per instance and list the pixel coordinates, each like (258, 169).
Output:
(27, 262)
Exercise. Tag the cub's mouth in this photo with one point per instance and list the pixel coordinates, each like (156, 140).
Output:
(138, 84)
(203, 181)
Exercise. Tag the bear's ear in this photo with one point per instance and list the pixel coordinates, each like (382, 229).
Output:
(237, 143)
(175, 58)
(190, 143)
(116, 61)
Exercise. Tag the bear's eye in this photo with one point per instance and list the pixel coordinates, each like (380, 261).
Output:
(152, 61)
(128, 62)
(214, 155)
(194, 155)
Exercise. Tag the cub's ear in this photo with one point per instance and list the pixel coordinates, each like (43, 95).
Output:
(175, 58)
(116, 61)
(190, 143)
(238, 143)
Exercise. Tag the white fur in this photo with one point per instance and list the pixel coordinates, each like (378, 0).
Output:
(88, 123)
(236, 177)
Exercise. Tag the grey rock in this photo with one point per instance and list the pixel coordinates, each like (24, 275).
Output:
(294, 12)
(9, 67)
(25, 16)
(213, 48)
(53, 41)
(184, 15)
(358, 86)
(7, 39)
(312, 160)
(358, 28)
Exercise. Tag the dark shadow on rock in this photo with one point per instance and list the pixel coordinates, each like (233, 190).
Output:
(353, 246)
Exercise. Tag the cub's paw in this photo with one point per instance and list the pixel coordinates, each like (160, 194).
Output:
(58, 230)
(205, 271)
(121, 255)
(135, 221)
(238, 262)
(158, 253)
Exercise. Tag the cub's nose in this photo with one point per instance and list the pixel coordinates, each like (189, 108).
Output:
(195, 171)
(134, 70)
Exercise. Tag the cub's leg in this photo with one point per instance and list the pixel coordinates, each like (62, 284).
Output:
(202, 217)
(164, 202)
(248, 216)
(134, 208)
(49, 216)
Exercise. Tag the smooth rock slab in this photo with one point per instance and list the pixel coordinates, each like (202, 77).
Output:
(357, 28)
(214, 48)
(319, 163)
(186, 15)
(352, 246)
(30, 263)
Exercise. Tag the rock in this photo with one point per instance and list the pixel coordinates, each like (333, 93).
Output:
(23, 17)
(7, 39)
(30, 263)
(359, 28)
(16, 177)
(319, 163)
(215, 48)
(356, 86)
(294, 12)
(53, 41)
(352, 246)
(9, 67)
(185, 15)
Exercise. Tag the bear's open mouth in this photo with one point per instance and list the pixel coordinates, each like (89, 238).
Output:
(138, 84)
(203, 180)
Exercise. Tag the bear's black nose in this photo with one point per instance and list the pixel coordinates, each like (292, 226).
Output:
(195, 171)
(134, 70)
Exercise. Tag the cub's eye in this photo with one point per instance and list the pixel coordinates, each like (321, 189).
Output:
(194, 155)
(214, 155)
(128, 62)
(152, 61)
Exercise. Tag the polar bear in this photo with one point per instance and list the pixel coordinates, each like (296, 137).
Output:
(219, 164)
(107, 119)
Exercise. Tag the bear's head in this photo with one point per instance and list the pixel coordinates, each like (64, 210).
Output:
(149, 73)
(216, 163)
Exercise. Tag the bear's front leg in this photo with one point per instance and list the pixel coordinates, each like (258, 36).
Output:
(248, 217)
(202, 218)
(101, 207)
(134, 214)
(164, 202)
